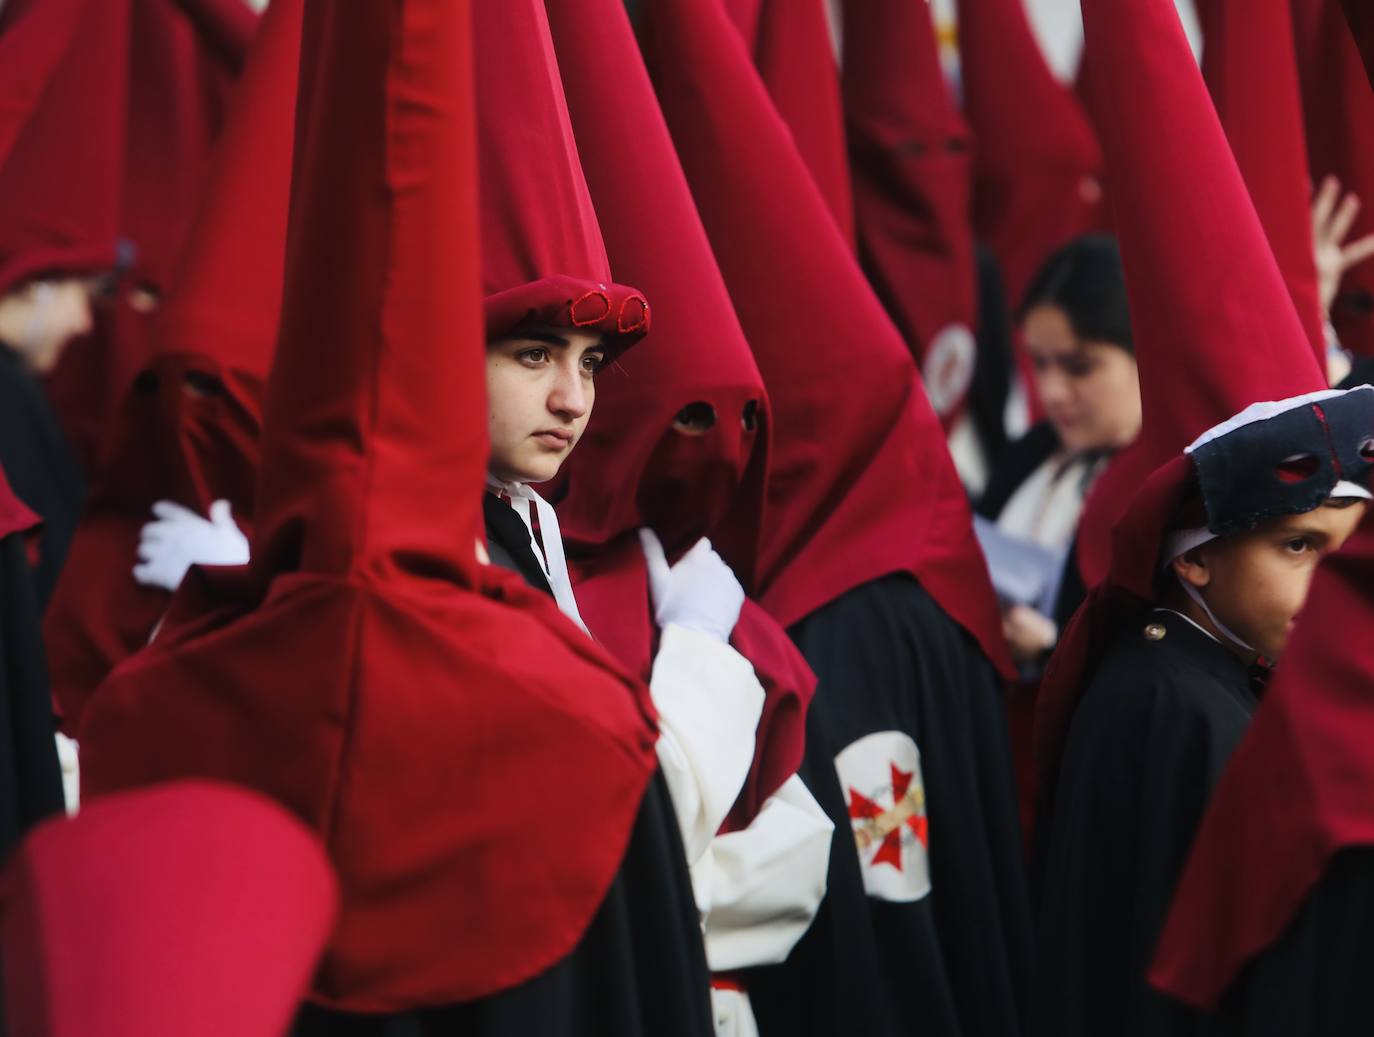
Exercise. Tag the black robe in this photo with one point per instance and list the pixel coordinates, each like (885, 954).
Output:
(954, 960)
(41, 467)
(639, 970)
(1314, 981)
(30, 776)
(1146, 746)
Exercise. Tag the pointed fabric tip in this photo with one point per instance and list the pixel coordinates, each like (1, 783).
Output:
(1264, 845)
(1215, 326)
(365, 664)
(60, 183)
(371, 413)
(793, 48)
(911, 157)
(631, 469)
(543, 257)
(877, 492)
(1037, 164)
(226, 300)
(182, 81)
(1249, 61)
(15, 517)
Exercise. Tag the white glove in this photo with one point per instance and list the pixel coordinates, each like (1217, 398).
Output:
(699, 592)
(180, 538)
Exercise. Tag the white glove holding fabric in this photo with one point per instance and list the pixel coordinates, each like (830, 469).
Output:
(179, 539)
(699, 592)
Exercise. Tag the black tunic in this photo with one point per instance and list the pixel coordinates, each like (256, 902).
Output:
(30, 776)
(1146, 746)
(639, 970)
(1314, 981)
(893, 670)
(41, 467)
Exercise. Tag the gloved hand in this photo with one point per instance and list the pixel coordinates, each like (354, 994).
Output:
(180, 538)
(699, 592)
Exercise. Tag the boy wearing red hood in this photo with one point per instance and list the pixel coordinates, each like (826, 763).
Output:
(1248, 471)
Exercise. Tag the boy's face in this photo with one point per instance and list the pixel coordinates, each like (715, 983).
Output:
(1256, 582)
(540, 391)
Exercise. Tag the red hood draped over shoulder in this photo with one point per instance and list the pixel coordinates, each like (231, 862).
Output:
(365, 664)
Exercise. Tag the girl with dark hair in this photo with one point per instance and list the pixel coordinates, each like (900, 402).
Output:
(1076, 325)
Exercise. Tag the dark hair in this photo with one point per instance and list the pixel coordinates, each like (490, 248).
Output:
(1086, 281)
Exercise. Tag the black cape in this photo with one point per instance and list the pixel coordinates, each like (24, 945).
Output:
(41, 467)
(1314, 980)
(1147, 744)
(955, 960)
(30, 776)
(639, 970)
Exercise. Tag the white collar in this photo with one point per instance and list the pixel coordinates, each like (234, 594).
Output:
(551, 558)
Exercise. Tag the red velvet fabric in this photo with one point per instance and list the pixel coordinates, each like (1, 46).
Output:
(473, 761)
(631, 469)
(1295, 792)
(63, 136)
(543, 258)
(1037, 164)
(1215, 327)
(1249, 61)
(861, 484)
(793, 49)
(910, 154)
(193, 908)
(15, 517)
(1339, 108)
(188, 430)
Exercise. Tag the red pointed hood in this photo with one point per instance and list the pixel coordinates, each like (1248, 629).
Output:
(183, 72)
(188, 430)
(1215, 327)
(1037, 164)
(543, 257)
(365, 664)
(861, 483)
(1339, 108)
(190, 908)
(67, 63)
(1265, 843)
(1249, 61)
(911, 156)
(632, 469)
(793, 49)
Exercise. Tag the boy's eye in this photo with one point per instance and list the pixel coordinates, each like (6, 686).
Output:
(1298, 545)
(1077, 368)
(592, 363)
(532, 356)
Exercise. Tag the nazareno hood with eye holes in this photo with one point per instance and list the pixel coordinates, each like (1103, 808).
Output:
(1236, 409)
(216, 333)
(543, 259)
(631, 469)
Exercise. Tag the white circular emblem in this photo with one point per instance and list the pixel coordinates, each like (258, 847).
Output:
(886, 796)
(948, 368)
